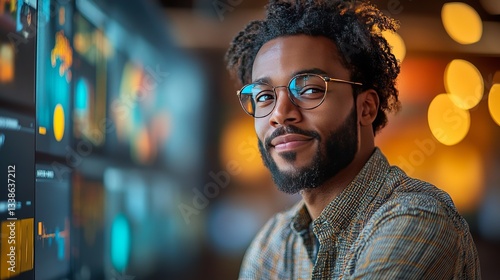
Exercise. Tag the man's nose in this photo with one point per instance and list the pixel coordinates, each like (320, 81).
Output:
(285, 111)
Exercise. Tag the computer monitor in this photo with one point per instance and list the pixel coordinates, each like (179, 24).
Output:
(52, 222)
(17, 162)
(54, 70)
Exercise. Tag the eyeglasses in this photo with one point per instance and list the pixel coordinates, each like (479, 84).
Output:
(306, 91)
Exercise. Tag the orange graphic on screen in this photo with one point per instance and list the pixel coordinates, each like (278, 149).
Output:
(60, 238)
(6, 63)
(62, 51)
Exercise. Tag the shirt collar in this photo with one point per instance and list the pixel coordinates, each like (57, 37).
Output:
(302, 220)
(342, 210)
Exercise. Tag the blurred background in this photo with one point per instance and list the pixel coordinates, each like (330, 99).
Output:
(134, 159)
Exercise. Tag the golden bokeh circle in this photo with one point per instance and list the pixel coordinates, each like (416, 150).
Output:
(448, 123)
(494, 103)
(462, 23)
(464, 83)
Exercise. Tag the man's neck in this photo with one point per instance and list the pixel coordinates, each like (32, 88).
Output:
(317, 199)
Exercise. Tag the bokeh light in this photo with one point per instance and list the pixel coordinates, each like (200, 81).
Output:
(448, 123)
(494, 103)
(6, 63)
(239, 145)
(460, 170)
(461, 175)
(462, 22)
(120, 242)
(397, 43)
(464, 83)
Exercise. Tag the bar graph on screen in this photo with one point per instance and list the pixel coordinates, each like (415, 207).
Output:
(55, 238)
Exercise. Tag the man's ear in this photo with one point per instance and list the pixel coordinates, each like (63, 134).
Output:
(367, 105)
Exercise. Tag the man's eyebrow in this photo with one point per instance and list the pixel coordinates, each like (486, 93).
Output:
(311, 71)
(262, 80)
(304, 71)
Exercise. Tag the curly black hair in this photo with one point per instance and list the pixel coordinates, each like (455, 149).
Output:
(354, 26)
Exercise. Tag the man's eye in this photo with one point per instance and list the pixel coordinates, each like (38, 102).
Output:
(311, 92)
(265, 96)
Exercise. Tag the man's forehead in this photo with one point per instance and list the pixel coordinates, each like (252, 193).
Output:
(293, 54)
(297, 41)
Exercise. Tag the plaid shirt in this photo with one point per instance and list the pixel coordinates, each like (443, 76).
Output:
(384, 225)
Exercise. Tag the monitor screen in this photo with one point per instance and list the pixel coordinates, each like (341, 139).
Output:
(17, 161)
(52, 222)
(137, 111)
(144, 234)
(54, 77)
(17, 51)
(87, 239)
(91, 54)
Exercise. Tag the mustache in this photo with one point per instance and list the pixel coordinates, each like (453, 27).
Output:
(290, 129)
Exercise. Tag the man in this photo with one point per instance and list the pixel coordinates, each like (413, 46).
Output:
(320, 79)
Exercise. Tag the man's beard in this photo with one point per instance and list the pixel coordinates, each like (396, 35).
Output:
(339, 151)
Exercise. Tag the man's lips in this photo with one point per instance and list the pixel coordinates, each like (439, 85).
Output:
(289, 141)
